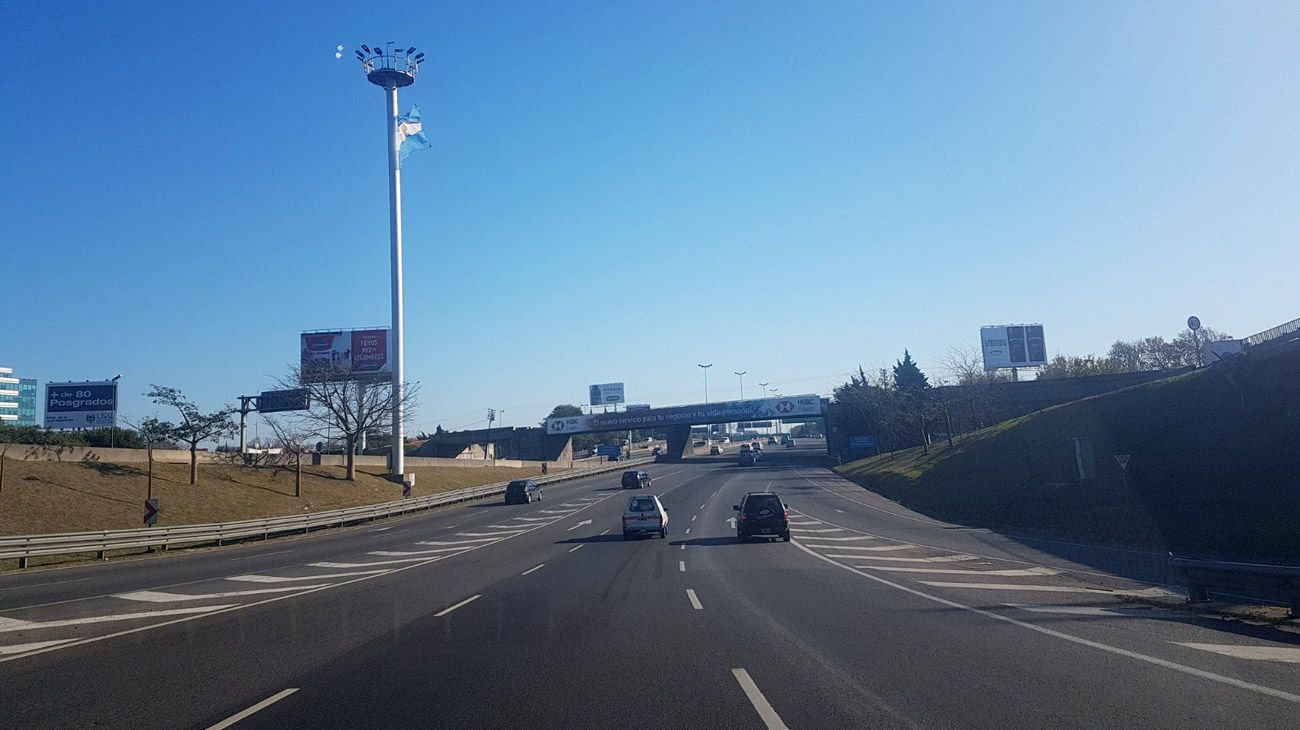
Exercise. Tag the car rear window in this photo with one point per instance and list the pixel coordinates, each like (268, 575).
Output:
(516, 486)
(762, 506)
(641, 504)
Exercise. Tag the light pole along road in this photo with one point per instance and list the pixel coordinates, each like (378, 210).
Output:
(393, 69)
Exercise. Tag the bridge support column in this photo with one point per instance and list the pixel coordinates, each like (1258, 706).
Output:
(679, 443)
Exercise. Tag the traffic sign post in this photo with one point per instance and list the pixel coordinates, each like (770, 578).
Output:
(1122, 460)
(151, 512)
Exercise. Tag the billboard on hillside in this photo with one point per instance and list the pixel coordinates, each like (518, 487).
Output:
(91, 404)
(1013, 346)
(606, 394)
(345, 355)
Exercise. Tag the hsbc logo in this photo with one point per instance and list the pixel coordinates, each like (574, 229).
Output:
(785, 406)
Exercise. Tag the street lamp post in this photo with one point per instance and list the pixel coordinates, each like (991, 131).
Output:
(392, 69)
(741, 374)
(706, 381)
(775, 393)
(112, 432)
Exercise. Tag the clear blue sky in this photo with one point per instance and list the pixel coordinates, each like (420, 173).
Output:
(618, 191)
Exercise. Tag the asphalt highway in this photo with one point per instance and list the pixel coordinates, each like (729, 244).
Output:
(542, 616)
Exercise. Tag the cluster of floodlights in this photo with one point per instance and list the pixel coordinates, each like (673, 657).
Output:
(371, 53)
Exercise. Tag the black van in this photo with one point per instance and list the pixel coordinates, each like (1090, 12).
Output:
(523, 491)
(635, 479)
(762, 514)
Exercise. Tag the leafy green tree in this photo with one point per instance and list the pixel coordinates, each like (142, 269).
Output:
(194, 426)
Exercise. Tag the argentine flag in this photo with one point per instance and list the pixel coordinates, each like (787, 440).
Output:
(410, 135)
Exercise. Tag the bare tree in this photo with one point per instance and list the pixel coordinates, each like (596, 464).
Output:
(195, 427)
(350, 408)
(292, 437)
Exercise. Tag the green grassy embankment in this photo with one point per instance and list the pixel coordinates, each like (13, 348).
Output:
(1207, 475)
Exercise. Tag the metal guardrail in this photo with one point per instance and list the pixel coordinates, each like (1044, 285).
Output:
(1274, 333)
(24, 547)
(1254, 582)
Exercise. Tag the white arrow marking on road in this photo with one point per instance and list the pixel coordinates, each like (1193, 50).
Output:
(1287, 654)
(22, 648)
(255, 578)
(731, 522)
(13, 624)
(165, 597)
(1009, 573)
(809, 529)
(580, 524)
(373, 563)
(877, 548)
(939, 559)
(493, 535)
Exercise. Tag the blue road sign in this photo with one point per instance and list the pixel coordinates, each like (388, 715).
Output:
(862, 442)
(608, 450)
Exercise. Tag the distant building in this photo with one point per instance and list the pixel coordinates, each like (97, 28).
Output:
(17, 399)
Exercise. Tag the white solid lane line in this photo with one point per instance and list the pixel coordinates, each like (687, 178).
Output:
(575, 547)
(695, 601)
(539, 566)
(165, 597)
(1286, 654)
(760, 703)
(453, 607)
(814, 522)
(1088, 610)
(1008, 573)
(22, 648)
(681, 566)
(255, 708)
(255, 578)
(845, 539)
(12, 624)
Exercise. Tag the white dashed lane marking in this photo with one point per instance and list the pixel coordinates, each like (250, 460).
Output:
(695, 601)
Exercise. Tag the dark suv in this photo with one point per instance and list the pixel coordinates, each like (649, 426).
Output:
(762, 514)
(635, 479)
(523, 491)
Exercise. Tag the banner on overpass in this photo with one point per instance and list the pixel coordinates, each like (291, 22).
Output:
(727, 411)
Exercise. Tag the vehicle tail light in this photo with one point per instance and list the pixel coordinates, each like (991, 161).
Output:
(743, 517)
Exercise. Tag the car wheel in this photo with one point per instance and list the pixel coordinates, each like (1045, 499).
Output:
(786, 536)
(664, 533)
(627, 536)
(740, 536)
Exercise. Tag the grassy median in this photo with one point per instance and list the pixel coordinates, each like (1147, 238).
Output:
(51, 496)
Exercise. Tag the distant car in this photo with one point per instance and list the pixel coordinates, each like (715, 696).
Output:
(645, 516)
(747, 458)
(789, 443)
(746, 448)
(724, 440)
(714, 450)
(523, 491)
(635, 479)
(758, 448)
(656, 451)
(771, 440)
(701, 442)
(762, 514)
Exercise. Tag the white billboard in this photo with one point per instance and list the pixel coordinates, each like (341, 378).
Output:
(606, 394)
(345, 355)
(1013, 346)
(91, 404)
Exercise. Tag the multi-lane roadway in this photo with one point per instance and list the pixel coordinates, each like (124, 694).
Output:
(541, 615)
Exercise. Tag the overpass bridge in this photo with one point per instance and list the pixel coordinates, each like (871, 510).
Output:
(554, 441)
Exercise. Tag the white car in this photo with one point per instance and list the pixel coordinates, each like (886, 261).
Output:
(645, 515)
